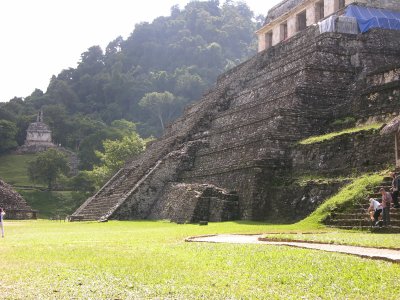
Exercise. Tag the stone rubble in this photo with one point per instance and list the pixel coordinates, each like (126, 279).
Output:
(13, 203)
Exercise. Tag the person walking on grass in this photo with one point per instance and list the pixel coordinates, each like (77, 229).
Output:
(376, 208)
(386, 202)
(2, 213)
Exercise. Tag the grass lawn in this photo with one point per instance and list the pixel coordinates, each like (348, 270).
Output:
(355, 238)
(13, 169)
(150, 260)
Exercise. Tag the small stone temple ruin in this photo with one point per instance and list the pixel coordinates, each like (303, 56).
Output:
(15, 206)
(38, 137)
(236, 154)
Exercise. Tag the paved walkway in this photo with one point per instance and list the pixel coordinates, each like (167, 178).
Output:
(372, 253)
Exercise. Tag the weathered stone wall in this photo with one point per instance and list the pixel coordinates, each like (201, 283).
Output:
(300, 98)
(183, 202)
(281, 9)
(345, 154)
(38, 139)
(38, 132)
(286, 6)
(389, 4)
(242, 179)
(178, 202)
(289, 17)
(140, 201)
(160, 197)
(295, 200)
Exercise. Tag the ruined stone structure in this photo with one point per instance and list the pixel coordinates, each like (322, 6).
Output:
(235, 153)
(292, 16)
(15, 206)
(38, 137)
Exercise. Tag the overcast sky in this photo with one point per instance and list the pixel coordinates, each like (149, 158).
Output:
(39, 38)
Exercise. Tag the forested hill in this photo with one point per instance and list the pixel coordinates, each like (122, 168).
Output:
(147, 78)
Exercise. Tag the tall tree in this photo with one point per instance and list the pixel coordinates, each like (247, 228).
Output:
(115, 155)
(47, 167)
(162, 105)
(8, 133)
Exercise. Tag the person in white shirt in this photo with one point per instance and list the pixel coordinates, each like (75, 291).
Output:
(376, 207)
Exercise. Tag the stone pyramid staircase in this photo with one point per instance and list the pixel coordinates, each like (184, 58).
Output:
(113, 193)
(357, 217)
(134, 177)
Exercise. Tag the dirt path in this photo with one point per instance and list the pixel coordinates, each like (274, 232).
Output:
(371, 253)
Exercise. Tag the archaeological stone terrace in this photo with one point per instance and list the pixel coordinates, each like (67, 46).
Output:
(235, 154)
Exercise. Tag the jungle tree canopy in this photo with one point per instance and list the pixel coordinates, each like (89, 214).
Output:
(181, 55)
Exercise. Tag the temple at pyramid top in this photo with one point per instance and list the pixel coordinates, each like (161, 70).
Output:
(289, 17)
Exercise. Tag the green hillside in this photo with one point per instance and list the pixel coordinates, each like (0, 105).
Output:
(13, 170)
(53, 204)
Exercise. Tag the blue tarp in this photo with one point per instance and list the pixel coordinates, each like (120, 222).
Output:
(368, 17)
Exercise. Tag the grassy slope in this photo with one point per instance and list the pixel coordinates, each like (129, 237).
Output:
(148, 260)
(13, 168)
(344, 238)
(356, 191)
(50, 204)
(332, 135)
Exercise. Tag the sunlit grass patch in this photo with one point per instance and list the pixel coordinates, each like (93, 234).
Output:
(53, 203)
(329, 136)
(357, 238)
(150, 260)
(317, 178)
(13, 168)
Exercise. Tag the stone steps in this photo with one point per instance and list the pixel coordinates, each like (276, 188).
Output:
(100, 206)
(112, 194)
(358, 216)
(117, 190)
(394, 214)
(359, 222)
(391, 229)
